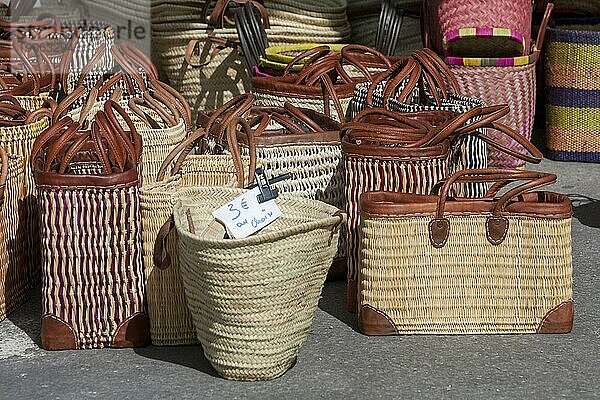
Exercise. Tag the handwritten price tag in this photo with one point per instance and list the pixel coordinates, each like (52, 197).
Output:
(245, 216)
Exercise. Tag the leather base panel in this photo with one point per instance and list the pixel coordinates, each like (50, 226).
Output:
(373, 322)
(135, 332)
(57, 335)
(558, 320)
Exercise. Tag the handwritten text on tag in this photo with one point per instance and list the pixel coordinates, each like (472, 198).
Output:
(245, 216)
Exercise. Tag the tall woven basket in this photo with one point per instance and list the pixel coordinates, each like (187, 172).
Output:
(91, 230)
(14, 275)
(572, 70)
(253, 300)
(170, 319)
(509, 81)
(440, 265)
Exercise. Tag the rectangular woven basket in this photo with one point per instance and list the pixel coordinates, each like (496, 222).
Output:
(572, 68)
(437, 265)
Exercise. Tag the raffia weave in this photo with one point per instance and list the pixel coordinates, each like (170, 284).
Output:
(253, 300)
(469, 286)
(170, 319)
(18, 141)
(92, 252)
(14, 273)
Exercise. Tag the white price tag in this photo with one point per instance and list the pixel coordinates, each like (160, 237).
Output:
(245, 216)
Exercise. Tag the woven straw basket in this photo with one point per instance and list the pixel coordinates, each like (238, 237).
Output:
(18, 141)
(467, 267)
(509, 83)
(572, 71)
(14, 274)
(495, 27)
(253, 300)
(170, 319)
(85, 198)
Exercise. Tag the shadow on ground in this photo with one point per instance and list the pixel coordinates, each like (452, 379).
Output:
(186, 356)
(586, 210)
(28, 317)
(333, 302)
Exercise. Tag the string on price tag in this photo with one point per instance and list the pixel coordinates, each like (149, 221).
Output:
(245, 215)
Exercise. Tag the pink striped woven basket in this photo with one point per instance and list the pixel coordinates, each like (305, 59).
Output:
(509, 81)
(465, 25)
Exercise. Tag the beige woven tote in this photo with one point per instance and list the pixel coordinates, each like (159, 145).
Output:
(437, 265)
(18, 141)
(253, 300)
(170, 319)
(14, 273)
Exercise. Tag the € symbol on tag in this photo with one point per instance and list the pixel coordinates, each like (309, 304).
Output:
(245, 216)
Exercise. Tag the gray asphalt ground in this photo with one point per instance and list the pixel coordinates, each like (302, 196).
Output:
(337, 361)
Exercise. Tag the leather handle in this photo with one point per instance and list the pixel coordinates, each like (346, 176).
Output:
(217, 17)
(497, 224)
(160, 257)
(539, 43)
(180, 103)
(347, 54)
(182, 148)
(312, 55)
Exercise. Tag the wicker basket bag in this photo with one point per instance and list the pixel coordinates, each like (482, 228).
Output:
(325, 85)
(253, 300)
(492, 28)
(572, 69)
(440, 265)
(170, 319)
(87, 182)
(300, 143)
(14, 274)
(509, 81)
(18, 141)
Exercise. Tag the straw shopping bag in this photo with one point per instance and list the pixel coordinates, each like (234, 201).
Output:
(170, 319)
(509, 81)
(572, 71)
(253, 300)
(87, 182)
(202, 59)
(323, 85)
(298, 142)
(18, 141)
(479, 28)
(440, 265)
(157, 118)
(14, 274)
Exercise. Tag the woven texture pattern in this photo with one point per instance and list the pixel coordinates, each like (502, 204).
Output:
(170, 319)
(317, 103)
(443, 16)
(367, 174)
(572, 68)
(18, 141)
(469, 286)
(316, 172)
(92, 289)
(253, 300)
(14, 273)
(514, 86)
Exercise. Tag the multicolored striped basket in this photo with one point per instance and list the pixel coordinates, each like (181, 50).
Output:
(572, 68)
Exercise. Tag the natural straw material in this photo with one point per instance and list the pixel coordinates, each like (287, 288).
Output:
(253, 300)
(14, 274)
(572, 71)
(467, 285)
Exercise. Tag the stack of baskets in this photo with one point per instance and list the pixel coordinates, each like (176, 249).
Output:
(319, 21)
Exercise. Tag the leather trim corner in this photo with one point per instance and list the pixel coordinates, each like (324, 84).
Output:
(134, 332)
(373, 322)
(558, 320)
(57, 334)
